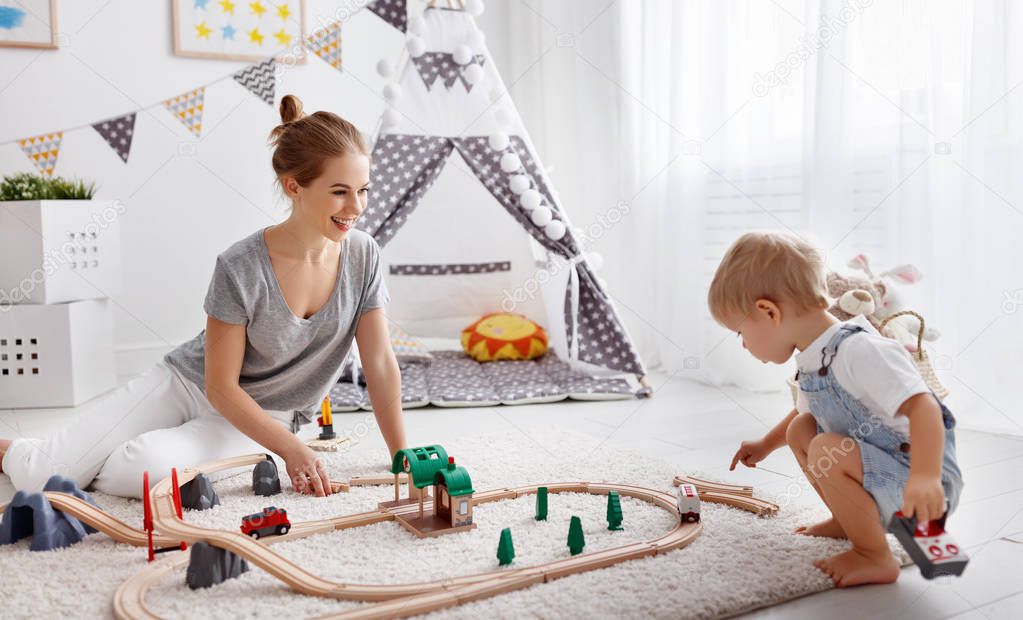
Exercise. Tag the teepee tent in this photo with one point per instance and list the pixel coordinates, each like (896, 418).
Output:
(450, 151)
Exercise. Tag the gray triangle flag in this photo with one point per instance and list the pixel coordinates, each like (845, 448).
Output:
(260, 80)
(118, 133)
(391, 11)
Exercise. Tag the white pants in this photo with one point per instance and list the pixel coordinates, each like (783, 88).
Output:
(156, 421)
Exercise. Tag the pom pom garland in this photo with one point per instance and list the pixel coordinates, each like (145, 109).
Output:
(510, 162)
(530, 199)
(518, 183)
(498, 141)
(416, 47)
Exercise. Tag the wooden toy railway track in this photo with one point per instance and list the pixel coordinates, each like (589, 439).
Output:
(114, 528)
(390, 601)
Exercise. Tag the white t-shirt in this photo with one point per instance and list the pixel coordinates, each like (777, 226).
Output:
(875, 370)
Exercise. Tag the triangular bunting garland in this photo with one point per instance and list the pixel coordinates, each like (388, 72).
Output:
(43, 151)
(188, 109)
(391, 11)
(118, 133)
(326, 43)
(433, 65)
(260, 80)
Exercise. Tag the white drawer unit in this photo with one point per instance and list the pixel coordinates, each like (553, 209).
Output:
(59, 250)
(56, 355)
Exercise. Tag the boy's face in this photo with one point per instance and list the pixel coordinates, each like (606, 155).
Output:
(763, 333)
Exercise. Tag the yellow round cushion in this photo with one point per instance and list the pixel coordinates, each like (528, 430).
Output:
(504, 336)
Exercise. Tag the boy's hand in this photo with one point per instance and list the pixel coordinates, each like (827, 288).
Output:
(750, 453)
(923, 496)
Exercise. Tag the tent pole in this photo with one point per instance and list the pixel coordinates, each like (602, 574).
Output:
(645, 383)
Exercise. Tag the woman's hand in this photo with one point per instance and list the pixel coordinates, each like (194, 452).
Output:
(750, 453)
(923, 496)
(306, 470)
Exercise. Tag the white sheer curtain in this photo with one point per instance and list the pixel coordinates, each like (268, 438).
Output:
(891, 129)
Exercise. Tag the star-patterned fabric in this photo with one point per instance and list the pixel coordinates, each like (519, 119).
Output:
(449, 269)
(118, 133)
(391, 11)
(404, 167)
(455, 380)
(260, 80)
(602, 339)
(433, 65)
(599, 328)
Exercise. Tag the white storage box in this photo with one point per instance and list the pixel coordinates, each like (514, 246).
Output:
(56, 355)
(59, 250)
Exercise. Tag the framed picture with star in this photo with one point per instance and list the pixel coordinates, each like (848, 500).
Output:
(239, 29)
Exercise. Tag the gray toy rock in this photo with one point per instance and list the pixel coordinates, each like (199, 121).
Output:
(31, 515)
(209, 565)
(199, 494)
(265, 479)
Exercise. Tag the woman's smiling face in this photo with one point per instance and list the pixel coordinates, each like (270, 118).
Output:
(334, 200)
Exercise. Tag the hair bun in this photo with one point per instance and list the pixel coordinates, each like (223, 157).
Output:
(291, 109)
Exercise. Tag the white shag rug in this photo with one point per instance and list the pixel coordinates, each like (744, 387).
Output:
(740, 562)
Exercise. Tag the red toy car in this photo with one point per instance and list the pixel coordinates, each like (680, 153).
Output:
(271, 521)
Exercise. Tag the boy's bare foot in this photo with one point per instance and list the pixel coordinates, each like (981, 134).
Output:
(828, 528)
(855, 567)
(4, 444)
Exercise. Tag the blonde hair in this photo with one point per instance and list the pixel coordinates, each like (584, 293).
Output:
(302, 143)
(776, 266)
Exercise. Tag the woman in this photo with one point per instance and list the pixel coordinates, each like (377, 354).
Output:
(283, 308)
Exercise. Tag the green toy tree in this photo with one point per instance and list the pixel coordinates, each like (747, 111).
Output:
(541, 503)
(576, 540)
(505, 548)
(614, 511)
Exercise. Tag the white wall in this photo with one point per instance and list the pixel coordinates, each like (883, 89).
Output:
(186, 200)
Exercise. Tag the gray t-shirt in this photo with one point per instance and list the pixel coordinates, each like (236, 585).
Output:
(290, 362)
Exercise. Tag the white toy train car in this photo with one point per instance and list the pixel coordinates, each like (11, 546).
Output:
(688, 503)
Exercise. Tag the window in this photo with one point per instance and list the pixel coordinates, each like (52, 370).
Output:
(463, 507)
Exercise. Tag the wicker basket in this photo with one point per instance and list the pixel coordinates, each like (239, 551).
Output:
(922, 361)
(920, 358)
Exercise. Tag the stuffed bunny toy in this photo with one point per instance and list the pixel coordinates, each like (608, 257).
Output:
(892, 300)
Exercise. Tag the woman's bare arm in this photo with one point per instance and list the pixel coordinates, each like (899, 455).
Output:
(225, 349)
(383, 379)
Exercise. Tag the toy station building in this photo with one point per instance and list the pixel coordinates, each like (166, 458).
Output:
(430, 466)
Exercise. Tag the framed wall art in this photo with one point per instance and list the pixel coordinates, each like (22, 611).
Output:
(28, 23)
(238, 29)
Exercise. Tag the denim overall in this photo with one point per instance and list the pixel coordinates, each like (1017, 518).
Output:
(885, 452)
